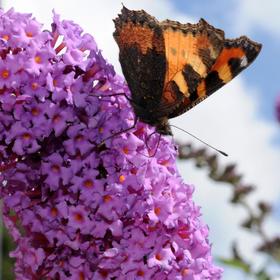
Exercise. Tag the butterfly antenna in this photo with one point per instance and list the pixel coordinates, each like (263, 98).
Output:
(217, 150)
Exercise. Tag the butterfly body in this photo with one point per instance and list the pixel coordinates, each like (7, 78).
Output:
(170, 67)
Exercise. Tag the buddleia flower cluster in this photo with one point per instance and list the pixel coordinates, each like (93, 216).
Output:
(84, 196)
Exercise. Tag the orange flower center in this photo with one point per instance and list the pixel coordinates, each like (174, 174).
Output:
(184, 272)
(5, 74)
(157, 210)
(29, 34)
(140, 273)
(38, 59)
(152, 228)
(88, 183)
(81, 276)
(34, 85)
(164, 162)
(107, 198)
(26, 136)
(35, 111)
(6, 37)
(79, 138)
(121, 178)
(55, 168)
(158, 257)
(54, 212)
(56, 118)
(78, 217)
(183, 232)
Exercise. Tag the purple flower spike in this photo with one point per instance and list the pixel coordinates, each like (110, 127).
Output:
(79, 207)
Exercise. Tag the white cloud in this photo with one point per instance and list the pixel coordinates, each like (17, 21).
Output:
(252, 14)
(95, 16)
(227, 120)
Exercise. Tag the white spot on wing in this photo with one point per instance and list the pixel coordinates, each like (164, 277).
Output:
(244, 61)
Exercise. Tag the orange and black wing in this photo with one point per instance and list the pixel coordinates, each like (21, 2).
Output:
(170, 67)
(142, 56)
(235, 56)
(191, 51)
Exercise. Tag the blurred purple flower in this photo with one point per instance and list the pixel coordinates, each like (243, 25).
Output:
(278, 108)
(78, 207)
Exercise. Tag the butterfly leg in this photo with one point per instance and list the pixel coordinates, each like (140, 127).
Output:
(149, 148)
(118, 133)
(112, 95)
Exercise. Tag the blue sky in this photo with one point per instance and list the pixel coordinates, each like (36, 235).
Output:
(238, 119)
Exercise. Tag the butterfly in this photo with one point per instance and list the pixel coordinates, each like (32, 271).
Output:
(171, 67)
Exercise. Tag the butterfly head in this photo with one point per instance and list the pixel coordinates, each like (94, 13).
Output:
(163, 127)
(150, 115)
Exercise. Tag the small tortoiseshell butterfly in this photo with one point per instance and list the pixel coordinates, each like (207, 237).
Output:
(170, 67)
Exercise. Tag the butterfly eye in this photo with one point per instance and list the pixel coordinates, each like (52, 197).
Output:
(143, 85)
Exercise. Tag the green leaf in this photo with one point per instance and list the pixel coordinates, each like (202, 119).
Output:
(7, 262)
(262, 275)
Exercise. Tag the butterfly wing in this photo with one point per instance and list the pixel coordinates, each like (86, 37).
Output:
(171, 67)
(190, 50)
(142, 56)
(156, 55)
(235, 56)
